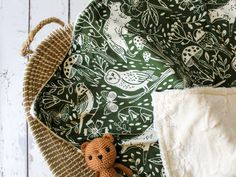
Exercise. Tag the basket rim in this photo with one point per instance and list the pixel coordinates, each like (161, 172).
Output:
(31, 88)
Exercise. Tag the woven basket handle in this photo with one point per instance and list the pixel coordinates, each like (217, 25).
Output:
(25, 50)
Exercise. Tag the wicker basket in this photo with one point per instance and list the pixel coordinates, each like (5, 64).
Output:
(62, 158)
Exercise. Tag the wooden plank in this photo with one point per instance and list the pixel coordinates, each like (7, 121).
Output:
(76, 7)
(41, 9)
(38, 167)
(13, 141)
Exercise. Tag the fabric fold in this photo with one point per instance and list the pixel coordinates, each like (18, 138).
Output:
(197, 131)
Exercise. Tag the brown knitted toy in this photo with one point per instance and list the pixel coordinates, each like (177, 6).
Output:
(100, 155)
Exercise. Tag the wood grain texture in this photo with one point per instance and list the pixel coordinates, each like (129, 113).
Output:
(76, 7)
(13, 141)
(19, 155)
(42, 9)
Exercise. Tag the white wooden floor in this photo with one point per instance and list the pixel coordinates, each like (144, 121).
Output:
(19, 155)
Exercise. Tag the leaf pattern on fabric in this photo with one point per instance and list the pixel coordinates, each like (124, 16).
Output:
(122, 51)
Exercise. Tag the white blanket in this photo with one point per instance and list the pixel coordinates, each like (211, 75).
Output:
(197, 131)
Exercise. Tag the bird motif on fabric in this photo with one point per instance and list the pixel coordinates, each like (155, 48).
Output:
(85, 102)
(209, 42)
(131, 80)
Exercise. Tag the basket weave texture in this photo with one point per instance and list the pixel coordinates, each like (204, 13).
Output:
(63, 158)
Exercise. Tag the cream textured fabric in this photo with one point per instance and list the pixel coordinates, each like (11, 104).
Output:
(197, 131)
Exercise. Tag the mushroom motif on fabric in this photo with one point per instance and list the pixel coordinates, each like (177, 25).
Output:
(147, 56)
(69, 70)
(190, 54)
(209, 42)
(139, 42)
(73, 65)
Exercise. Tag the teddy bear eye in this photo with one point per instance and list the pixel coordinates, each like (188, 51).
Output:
(107, 149)
(90, 157)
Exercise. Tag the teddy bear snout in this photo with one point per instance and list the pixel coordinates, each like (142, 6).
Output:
(100, 157)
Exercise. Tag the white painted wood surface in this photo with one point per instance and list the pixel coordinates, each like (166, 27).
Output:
(19, 155)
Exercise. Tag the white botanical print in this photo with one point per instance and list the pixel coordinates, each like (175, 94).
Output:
(61, 115)
(50, 100)
(89, 45)
(110, 105)
(208, 41)
(143, 141)
(183, 4)
(95, 129)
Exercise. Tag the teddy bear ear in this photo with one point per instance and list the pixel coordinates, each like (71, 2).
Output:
(83, 146)
(109, 137)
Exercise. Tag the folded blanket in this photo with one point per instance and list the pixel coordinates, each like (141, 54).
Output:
(197, 131)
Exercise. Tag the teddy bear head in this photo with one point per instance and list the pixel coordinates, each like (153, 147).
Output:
(100, 153)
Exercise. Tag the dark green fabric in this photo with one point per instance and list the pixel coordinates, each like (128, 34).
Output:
(124, 50)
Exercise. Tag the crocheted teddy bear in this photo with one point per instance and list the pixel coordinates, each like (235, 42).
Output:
(100, 155)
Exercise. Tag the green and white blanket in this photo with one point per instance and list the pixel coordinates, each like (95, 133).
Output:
(124, 50)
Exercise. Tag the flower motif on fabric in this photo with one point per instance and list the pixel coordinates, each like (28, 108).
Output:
(61, 115)
(183, 4)
(94, 129)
